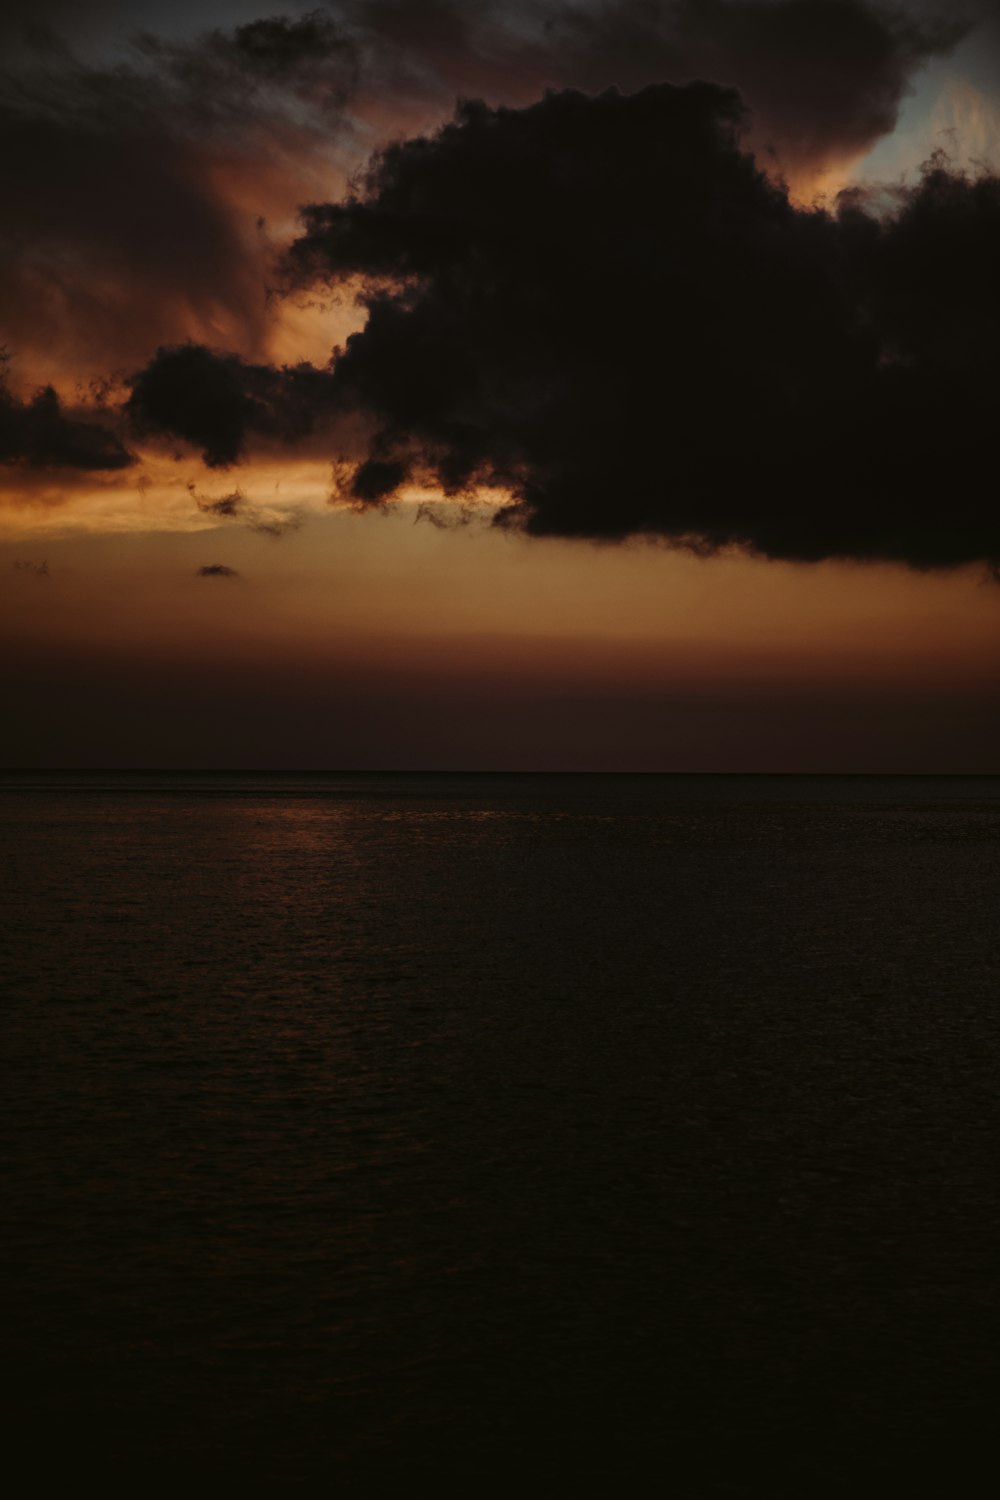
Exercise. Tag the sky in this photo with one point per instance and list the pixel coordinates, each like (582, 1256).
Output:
(549, 384)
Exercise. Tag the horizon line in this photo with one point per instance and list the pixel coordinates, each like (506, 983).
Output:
(437, 771)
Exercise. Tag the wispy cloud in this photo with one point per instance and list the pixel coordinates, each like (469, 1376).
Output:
(266, 520)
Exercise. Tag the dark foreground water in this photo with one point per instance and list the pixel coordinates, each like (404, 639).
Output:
(550, 1135)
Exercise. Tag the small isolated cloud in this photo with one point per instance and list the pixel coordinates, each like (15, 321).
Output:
(216, 570)
(34, 569)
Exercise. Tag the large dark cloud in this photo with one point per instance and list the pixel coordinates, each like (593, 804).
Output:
(218, 401)
(601, 305)
(132, 181)
(597, 303)
(824, 79)
(38, 433)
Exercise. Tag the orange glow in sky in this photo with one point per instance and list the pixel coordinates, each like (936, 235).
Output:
(395, 636)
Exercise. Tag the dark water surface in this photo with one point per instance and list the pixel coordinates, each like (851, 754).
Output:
(503, 1133)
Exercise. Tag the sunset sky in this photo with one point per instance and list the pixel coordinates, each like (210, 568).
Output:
(514, 384)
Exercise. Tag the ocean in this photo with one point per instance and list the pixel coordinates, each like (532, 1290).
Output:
(558, 1134)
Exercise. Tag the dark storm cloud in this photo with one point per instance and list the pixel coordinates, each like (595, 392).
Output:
(131, 189)
(823, 78)
(526, 270)
(132, 183)
(602, 306)
(218, 401)
(39, 434)
(216, 570)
